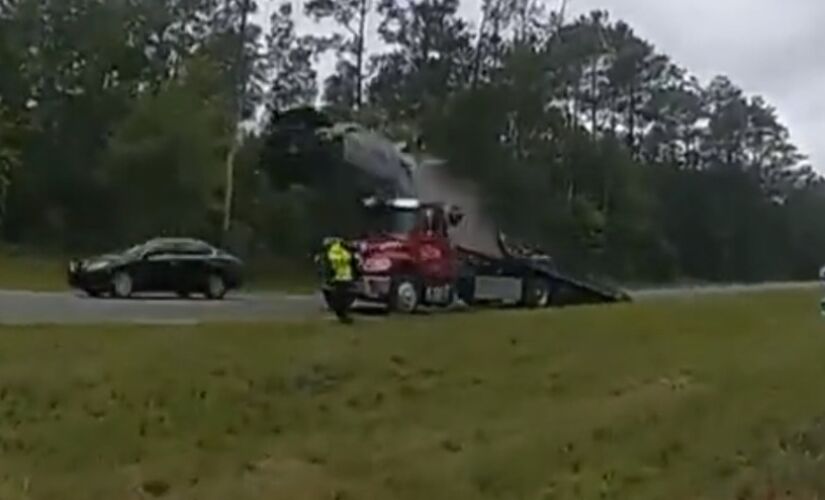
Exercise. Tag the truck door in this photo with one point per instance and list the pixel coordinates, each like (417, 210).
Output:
(436, 256)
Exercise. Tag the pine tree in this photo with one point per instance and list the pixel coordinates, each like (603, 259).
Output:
(345, 88)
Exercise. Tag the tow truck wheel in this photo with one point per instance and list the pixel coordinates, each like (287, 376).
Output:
(536, 293)
(405, 296)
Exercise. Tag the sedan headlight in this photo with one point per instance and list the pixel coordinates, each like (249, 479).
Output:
(96, 266)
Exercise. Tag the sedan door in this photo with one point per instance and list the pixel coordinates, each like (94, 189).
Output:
(191, 267)
(158, 271)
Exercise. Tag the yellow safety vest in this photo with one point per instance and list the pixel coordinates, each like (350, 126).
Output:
(340, 259)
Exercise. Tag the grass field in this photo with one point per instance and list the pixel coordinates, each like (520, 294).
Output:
(710, 398)
(28, 271)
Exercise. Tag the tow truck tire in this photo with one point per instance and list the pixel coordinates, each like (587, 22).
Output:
(537, 293)
(405, 295)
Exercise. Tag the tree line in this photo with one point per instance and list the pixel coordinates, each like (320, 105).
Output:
(118, 118)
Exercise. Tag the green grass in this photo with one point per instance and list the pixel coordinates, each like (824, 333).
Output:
(710, 398)
(281, 275)
(27, 271)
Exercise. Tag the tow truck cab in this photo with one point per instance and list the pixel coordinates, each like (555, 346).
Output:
(407, 259)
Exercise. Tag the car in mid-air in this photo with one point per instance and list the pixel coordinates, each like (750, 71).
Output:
(179, 265)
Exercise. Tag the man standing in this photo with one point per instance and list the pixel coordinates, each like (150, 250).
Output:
(338, 289)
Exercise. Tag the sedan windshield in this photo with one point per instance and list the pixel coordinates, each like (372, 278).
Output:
(135, 251)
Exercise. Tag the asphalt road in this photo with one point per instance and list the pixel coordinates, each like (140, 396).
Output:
(33, 308)
(687, 292)
(29, 308)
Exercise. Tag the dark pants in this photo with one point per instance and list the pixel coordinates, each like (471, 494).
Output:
(340, 300)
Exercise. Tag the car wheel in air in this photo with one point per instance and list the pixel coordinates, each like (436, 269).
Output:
(215, 287)
(537, 293)
(122, 285)
(405, 297)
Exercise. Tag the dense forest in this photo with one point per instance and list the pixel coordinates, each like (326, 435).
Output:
(118, 119)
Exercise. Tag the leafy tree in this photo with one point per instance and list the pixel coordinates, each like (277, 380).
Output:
(805, 230)
(504, 22)
(234, 43)
(9, 157)
(165, 160)
(345, 88)
(637, 72)
(745, 133)
(676, 135)
(430, 58)
(289, 61)
(73, 82)
(580, 135)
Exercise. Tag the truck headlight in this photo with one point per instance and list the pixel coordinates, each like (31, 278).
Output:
(377, 265)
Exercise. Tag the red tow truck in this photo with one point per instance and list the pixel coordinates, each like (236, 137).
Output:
(407, 260)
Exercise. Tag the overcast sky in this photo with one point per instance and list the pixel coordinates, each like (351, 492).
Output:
(775, 48)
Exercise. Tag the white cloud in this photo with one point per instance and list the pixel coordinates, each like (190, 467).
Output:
(768, 47)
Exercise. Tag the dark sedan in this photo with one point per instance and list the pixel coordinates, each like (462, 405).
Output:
(182, 266)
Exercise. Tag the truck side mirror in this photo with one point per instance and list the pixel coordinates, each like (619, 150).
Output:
(455, 217)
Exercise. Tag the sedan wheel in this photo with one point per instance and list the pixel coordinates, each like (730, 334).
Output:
(215, 287)
(122, 285)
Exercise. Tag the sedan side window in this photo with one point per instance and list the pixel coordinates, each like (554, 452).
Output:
(193, 249)
(157, 251)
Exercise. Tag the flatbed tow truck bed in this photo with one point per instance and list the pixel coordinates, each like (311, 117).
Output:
(512, 271)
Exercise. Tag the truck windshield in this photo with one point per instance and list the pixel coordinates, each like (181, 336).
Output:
(394, 221)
